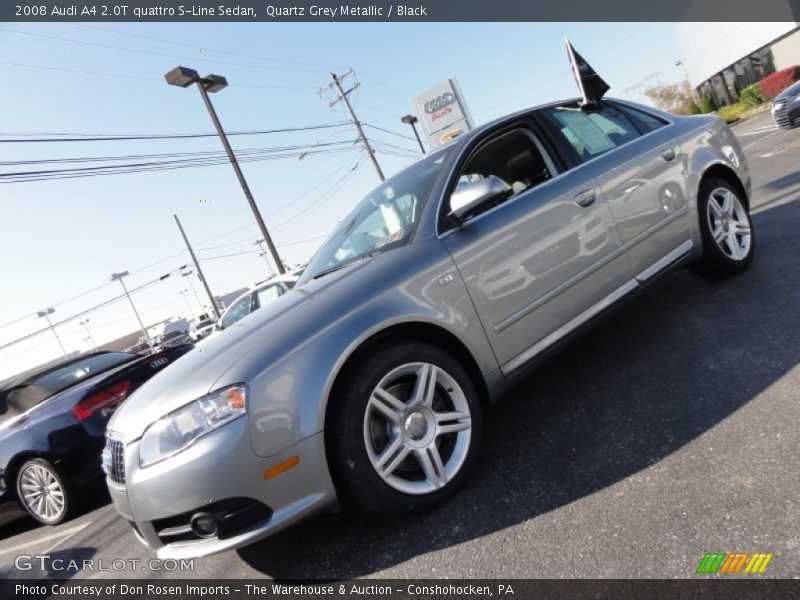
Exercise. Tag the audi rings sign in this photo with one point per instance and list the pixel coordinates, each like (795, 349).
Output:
(442, 112)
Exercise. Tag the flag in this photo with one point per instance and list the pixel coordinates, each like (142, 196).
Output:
(591, 85)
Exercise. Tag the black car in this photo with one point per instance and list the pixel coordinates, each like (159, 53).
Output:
(53, 423)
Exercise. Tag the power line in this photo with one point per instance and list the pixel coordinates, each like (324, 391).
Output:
(152, 53)
(169, 136)
(202, 48)
(87, 311)
(30, 176)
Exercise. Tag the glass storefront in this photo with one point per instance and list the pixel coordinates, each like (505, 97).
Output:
(725, 87)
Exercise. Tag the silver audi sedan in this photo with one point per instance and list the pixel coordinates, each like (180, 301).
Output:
(443, 286)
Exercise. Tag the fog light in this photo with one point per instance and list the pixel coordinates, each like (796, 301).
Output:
(204, 524)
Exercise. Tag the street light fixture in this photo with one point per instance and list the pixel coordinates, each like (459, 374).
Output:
(211, 84)
(46, 314)
(412, 120)
(119, 277)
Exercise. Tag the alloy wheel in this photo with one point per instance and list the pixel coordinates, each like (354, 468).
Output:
(417, 428)
(729, 224)
(41, 492)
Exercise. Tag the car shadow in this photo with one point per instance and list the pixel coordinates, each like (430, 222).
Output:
(646, 381)
(14, 520)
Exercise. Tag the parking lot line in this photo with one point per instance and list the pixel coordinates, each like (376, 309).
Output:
(61, 536)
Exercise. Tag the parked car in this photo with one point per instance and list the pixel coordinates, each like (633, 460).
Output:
(53, 423)
(261, 294)
(142, 349)
(441, 288)
(202, 328)
(173, 339)
(786, 107)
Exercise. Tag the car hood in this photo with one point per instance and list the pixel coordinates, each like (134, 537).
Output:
(788, 92)
(198, 372)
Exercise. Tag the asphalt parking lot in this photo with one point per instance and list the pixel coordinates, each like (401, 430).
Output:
(668, 431)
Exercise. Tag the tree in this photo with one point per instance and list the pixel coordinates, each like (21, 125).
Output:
(672, 97)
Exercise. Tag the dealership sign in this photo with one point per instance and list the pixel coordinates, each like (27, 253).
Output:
(442, 112)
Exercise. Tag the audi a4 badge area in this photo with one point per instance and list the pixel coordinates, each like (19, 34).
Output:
(786, 107)
(53, 423)
(445, 284)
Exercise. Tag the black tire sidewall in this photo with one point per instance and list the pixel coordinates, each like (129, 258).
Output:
(64, 482)
(714, 262)
(350, 462)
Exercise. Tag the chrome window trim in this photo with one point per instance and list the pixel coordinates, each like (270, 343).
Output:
(441, 234)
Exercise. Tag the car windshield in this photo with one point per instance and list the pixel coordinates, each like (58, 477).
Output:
(382, 221)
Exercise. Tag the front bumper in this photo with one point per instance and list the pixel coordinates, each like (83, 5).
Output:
(218, 468)
(787, 116)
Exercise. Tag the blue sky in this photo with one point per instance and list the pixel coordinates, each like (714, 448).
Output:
(61, 238)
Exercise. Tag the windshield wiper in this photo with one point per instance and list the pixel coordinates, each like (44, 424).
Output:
(333, 269)
(344, 265)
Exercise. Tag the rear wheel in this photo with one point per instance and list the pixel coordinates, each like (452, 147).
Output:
(44, 492)
(726, 229)
(406, 429)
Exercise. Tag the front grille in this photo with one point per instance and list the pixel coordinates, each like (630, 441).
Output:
(115, 469)
(780, 113)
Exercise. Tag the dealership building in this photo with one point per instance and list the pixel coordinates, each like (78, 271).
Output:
(721, 59)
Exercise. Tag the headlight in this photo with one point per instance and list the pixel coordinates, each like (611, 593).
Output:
(179, 429)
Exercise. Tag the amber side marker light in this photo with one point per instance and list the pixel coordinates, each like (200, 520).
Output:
(284, 466)
(236, 398)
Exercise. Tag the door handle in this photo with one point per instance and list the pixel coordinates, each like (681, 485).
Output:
(668, 154)
(585, 198)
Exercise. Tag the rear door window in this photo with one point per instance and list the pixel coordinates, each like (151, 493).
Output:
(594, 132)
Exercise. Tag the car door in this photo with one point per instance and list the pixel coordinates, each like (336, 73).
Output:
(640, 168)
(546, 258)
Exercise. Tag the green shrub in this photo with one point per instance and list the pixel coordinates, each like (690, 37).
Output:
(694, 109)
(733, 112)
(751, 95)
(707, 104)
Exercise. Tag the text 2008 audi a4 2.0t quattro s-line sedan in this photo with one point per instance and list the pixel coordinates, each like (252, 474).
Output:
(369, 379)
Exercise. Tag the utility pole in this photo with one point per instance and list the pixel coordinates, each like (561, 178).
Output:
(199, 270)
(119, 277)
(46, 314)
(342, 96)
(85, 324)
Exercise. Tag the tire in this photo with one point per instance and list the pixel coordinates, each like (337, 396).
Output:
(726, 230)
(383, 405)
(58, 503)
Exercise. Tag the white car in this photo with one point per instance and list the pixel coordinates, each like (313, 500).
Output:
(254, 298)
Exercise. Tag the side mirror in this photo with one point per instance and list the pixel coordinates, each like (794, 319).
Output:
(470, 197)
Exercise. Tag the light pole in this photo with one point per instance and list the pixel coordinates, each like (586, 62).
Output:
(191, 285)
(118, 277)
(264, 254)
(85, 324)
(185, 294)
(183, 77)
(46, 314)
(412, 120)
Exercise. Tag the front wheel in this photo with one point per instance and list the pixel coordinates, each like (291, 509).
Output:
(406, 429)
(726, 229)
